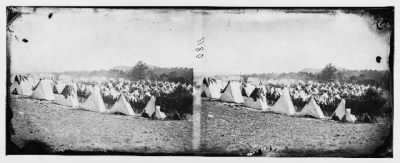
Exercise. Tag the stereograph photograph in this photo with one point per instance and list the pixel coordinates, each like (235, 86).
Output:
(200, 81)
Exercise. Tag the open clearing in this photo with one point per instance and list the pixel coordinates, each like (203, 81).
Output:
(239, 131)
(64, 129)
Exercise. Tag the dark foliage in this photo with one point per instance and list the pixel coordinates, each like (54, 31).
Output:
(371, 103)
(69, 90)
(180, 101)
(139, 72)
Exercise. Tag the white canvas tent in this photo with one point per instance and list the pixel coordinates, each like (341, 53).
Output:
(150, 107)
(22, 88)
(122, 106)
(232, 93)
(211, 89)
(12, 79)
(284, 105)
(35, 82)
(312, 109)
(71, 101)
(67, 97)
(43, 90)
(94, 101)
(340, 111)
(257, 100)
(221, 84)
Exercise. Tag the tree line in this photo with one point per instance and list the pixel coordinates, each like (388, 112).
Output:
(329, 73)
(140, 71)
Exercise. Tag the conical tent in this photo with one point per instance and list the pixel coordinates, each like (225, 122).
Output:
(59, 87)
(312, 109)
(22, 88)
(340, 111)
(122, 106)
(35, 82)
(284, 105)
(221, 84)
(232, 93)
(12, 79)
(94, 101)
(67, 97)
(43, 90)
(150, 107)
(211, 89)
(247, 89)
(257, 100)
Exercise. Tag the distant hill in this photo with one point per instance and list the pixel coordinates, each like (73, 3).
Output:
(318, 70)
(311, 70)
(121, 68)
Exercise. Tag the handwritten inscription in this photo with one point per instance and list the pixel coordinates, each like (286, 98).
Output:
(200, 48)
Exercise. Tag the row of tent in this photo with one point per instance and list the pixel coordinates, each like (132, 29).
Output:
(253, 97)
(65, 94)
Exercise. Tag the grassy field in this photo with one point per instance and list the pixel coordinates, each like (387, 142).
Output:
(72, 131)
(238, 131)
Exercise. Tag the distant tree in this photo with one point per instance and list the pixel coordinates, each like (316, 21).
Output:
(139, 71)
(352, 79)
(328, 73)
(340, 76)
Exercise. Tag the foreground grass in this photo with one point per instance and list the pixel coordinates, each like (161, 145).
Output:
(85, 132)
(230, 131)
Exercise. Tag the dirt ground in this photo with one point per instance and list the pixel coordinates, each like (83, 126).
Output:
(64, 130)
(239, 131)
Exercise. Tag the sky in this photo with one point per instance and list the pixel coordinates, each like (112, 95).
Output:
(273, 41)
(82, 39)
(254, 41)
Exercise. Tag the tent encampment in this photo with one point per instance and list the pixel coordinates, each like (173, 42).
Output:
(312, 109)
(67, 97)
(210, 88)
(232, 93)
(284, 105)
(43, 90)
(94, 102)
(257, 100)
(122, 106)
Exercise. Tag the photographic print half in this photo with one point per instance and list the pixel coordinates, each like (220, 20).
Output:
(84, 80)
(297, 82)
